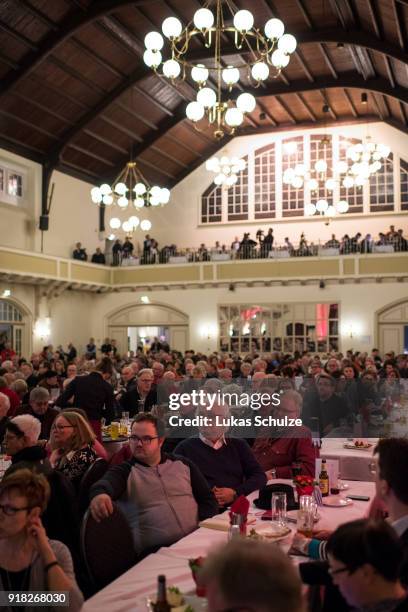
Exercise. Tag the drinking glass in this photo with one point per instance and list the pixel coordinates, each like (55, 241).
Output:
(114, 430)
(306, 515)
(278, 507)
(125, 416)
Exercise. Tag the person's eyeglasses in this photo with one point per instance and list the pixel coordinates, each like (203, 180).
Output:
(12, 510)
(144, 440)
(62, 427)
(45, 403)
(144, 380)
(372, 467)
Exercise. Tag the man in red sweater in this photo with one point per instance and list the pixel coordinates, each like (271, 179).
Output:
(293, 445)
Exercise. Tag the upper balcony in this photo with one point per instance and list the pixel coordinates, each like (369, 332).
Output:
(56, 273)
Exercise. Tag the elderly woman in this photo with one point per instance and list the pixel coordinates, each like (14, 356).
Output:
(280, 452)
(72, 442)
(29, 561)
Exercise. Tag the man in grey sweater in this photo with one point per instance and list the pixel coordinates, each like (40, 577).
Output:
(163, 496)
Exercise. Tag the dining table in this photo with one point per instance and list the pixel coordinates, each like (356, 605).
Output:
(131, 591)
(354, 463)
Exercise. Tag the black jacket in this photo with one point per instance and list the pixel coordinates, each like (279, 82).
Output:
(91, 393)
(129, 402)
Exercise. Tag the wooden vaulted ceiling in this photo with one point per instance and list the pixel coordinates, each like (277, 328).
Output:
(75, 94)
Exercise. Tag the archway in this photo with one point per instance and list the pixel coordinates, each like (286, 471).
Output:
(15, 326)
(392, 327)
(122, 323)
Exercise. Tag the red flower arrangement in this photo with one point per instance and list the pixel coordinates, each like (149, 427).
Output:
(304, 484)
(195, 565)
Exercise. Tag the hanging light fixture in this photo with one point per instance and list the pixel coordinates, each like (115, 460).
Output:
(269, 51)
(225, 169)
(130, 188)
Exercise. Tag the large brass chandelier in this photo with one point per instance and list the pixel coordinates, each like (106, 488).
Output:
(263, 54)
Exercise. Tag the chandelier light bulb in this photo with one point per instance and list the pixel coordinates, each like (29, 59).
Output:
(290, 148)
(105, 189)
(300, 169)
(164, 195)
(219, 179)
(288, 176)
(260, 71)
(341, 167)
(241, 163)
(359, 181)
(342, 206)
(313, 184)
(287, 43)
(279, 59)
(171, 69)
(246, 103)
(230, 75)
(243, 21)
(107, 200)
(234, 117)
(348, 182)
(310, 210)
(139, 188)
(145, 225)
(114, 223)
(226, 170)
(297, 182)
(120, 188)
(126, 226)
(206, 97)
(330, 211)
(111, 237)
(330, 184)
(322, 205)
(321, 165)
(172, 27)
(154, 41)
(376, 166)
(155, 191)
(155, 201)
(134, 221)
(195, 111)
(203, 19)
(152, 58)
(122, 202)
(96, 195)
(274, 29)
(199, 74)
(211, 164)
(139, 203)
(231, 180)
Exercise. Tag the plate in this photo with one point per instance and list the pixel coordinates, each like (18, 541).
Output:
(337, 502)
(266, 532)
(366, 447)
(344, 486)
(198, 604)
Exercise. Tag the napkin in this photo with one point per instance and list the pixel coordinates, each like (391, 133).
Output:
(241, 507)
(221, 522)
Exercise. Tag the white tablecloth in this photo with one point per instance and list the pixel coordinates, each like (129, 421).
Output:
(175, 259)
(278, 254)
(383, 248)
(353, 464)
(129, 592)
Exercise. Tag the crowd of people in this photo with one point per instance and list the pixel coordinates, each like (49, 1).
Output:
(54, 405)
(245, 248)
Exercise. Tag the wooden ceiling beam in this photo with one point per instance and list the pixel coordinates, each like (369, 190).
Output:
(39, 15)
(29, 124)
(286, 109)
(307, 107)
(403, 113)
(155, 167)
(103, 160)
(66, 28)
(311, 26)
(42, 107)
(350, 103)
(400, 23)
(20, 38)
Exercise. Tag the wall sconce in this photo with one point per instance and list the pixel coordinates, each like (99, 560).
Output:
(208, 331)
(42, 328)
(144, 299)
(6, 293)
(351, 329)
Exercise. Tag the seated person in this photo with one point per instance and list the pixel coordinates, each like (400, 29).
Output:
(365, 559)
(4, 409)
(163, 496)
(60, 518)
(227, 464)
(29, 561)
(97, 446)
(245, 575)
(290, 445)
(324, 405)
(40, 409)
(140, 397)
(72, 443)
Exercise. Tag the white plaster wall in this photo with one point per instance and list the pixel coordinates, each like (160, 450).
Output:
(184, 205)
(76, 316)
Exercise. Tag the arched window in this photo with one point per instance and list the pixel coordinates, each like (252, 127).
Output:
(264, 179)
(354, 195)
(292, 198)
(404, 184)
(238, 197)
(382, 187)
(321, 148)
(211, 204)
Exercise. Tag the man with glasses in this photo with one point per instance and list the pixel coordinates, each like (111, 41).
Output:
(163, 496)
(364, 562)
(40, 409)
(142, 396)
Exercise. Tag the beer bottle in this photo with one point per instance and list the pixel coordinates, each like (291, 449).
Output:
(161, 604)
(324, 480)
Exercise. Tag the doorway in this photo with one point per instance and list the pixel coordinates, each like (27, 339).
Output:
(392, 322)
(146, 335)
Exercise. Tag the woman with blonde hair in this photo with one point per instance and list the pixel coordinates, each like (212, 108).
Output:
(29, 561)
(72, 441)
